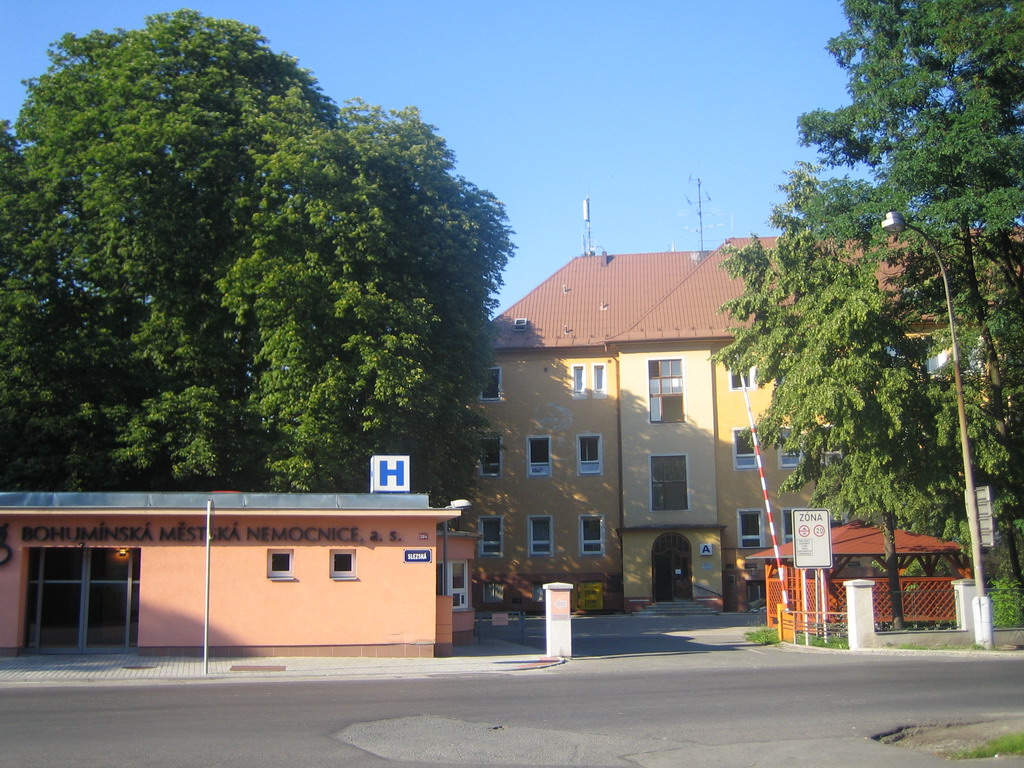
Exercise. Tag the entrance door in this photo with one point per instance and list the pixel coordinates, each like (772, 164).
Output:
(670, 568)
(83, 600)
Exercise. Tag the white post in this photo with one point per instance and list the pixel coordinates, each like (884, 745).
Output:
(965, 591)
(984, 632)
(860, 613)
(206, 604)
(558, 619)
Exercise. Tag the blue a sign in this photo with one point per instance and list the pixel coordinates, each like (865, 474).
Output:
(389, 474)
(417, 555)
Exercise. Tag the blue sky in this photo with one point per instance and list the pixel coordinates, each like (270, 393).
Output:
(545, 103)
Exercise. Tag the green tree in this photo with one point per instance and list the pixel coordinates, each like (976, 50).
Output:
(823, 322)
(214, 276)
(935, 128)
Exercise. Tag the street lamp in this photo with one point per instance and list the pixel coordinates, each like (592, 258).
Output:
(894, 223)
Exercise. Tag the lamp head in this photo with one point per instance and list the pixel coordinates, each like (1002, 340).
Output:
(894, 223)
(460, 504)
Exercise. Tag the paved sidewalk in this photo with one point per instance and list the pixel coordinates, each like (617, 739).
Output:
(487, 657)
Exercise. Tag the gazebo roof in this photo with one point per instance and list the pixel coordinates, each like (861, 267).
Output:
(858, 539)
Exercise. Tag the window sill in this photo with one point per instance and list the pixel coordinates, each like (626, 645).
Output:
(344, 578)
(281, 578)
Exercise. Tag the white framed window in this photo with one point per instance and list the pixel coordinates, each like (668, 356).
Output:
(591, 535)
(588, 450)
(665, 385)
(935, 363)
(787, 526)
(538, 591)
(279, 563)
(750, 528)
(492, 389)
(540, 535)
(599, 378)
(743, 456)
(787, 459)
(669, 488)
(494, 592)
(491, 533)
(343, 564)
(736, 383)
(538, 451)
(579, 382)
(490, 457)
(458, 584)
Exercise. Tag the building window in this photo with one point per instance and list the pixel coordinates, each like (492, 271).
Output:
(540, 536)
(600, 380)
(579, 381)
(539, 453)
(589, 450)
(787, 459)
(494, 592)
(666, 390)
(279, 564)
(538, 591)
(787, 526)
(591, 535)
(490, 530)
(343, 564)
(492, 390)
(736, 383)
(743, 456)
(668, 483)
(458, 583)
(750, 528)
(490, 457)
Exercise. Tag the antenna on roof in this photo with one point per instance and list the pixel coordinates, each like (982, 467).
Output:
(588, 245)
(701, 196)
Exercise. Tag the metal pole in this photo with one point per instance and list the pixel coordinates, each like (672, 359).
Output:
(206, 606)
(983, 605)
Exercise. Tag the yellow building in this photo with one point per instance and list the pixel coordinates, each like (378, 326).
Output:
(618, 461)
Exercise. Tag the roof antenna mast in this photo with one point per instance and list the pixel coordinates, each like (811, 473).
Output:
(700, 212)
(588, 243)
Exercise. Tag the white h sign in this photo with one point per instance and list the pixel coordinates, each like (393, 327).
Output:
(389, 474)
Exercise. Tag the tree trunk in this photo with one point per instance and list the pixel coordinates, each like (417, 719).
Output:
(892, 569)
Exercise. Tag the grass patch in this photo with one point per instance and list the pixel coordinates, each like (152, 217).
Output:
(763, 636)
(841, 643)
(1010, 744)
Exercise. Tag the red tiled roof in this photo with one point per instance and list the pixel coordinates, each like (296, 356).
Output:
(594, 300)
(858, 539)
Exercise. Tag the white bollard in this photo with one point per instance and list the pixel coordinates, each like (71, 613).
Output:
(558, 619)
(982, 609)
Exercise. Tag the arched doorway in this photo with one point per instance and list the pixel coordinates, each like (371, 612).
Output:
(671, 578)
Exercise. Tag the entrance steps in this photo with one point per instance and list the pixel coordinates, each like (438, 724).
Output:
(677, 608)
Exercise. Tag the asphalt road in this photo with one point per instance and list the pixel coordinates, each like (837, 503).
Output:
(652, 694)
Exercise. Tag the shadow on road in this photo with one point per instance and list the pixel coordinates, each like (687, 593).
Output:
(625, 635)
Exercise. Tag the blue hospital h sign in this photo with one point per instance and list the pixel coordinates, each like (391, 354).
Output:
(389, 474)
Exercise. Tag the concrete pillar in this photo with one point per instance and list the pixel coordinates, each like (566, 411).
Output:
(860, 614)
(558, 619)
(964, 592)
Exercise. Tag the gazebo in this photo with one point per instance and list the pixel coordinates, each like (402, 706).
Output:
(858, 552)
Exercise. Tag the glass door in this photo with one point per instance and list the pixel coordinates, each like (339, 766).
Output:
(83, 600)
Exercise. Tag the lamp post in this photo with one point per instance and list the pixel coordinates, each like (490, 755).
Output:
(894, 224)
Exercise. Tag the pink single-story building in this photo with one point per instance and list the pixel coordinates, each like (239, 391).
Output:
(281, 574)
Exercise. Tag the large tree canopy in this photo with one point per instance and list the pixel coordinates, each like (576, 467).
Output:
(935, 129)
(215, 277)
